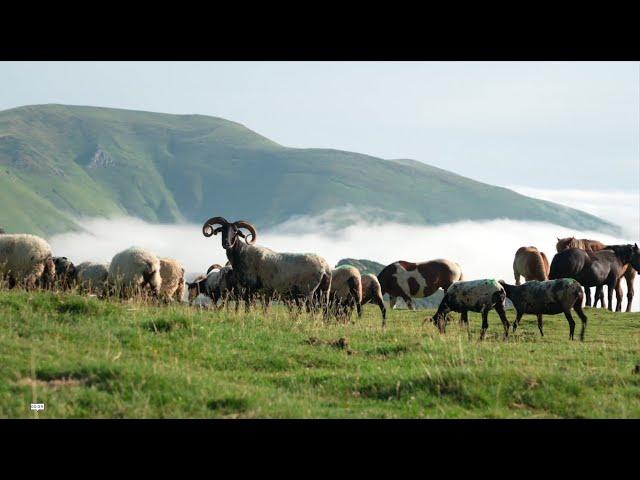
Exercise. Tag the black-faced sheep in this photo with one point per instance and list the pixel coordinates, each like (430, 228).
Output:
(475, 296)
(218, 284)
(550, 297)
(372, 293)
(134, 269)
(263, 272)
(346, 290)
(65, 273)
(172, 274)
(26, 260)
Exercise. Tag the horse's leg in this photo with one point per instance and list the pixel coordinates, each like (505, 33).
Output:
(599, 296)
(587, 296)
(619, 295)
(392, 302)
(630, 276)
(408, 301)
(540, 324)
(611, 286)
(503, 316)
(578, 308)
(572, 323)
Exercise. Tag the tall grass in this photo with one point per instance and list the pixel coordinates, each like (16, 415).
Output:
(90, 358)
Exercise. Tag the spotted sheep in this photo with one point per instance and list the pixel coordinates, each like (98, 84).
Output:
(418, 280)
(475, 296)
(302, 277)
(372, 293)
(549, 297)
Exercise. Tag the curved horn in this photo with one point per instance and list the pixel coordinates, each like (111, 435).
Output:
(207, 228)
(251, 228)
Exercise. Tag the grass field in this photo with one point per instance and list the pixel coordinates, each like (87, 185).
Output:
(86, 358)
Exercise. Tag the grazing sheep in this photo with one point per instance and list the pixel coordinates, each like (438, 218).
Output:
(65, 272)
(215, 266)
(134, 269)
(261, 271)
(172, 274)
(476, 296)
(550, 297)
(530, 263)
(346, 290)
(26, 260)
(372, 293)
(92, 277)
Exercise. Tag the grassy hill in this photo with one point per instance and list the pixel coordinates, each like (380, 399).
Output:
(86, 358)
(60, 162)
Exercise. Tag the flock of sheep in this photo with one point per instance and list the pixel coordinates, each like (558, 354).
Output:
(255, 273)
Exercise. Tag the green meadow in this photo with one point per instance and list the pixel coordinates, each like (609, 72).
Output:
(88, 358)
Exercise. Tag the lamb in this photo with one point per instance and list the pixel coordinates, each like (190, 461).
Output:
(218, 284)
(134, 269)
(476, 296)
(372, 293)
(26, 260)
(550, 297)
(261, 271)
(92, 277)
(172, 274)
(346, 290)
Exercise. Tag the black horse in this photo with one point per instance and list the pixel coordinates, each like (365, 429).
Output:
(597, 269)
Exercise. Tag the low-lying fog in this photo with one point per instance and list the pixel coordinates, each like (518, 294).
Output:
(483, 249)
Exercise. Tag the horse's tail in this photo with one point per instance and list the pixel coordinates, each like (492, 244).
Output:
(538, 267)
(461, 277)
(545, 262)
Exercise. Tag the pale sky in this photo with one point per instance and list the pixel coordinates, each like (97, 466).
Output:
(557, 125)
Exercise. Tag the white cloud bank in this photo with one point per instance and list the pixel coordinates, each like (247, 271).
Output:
(483, 249)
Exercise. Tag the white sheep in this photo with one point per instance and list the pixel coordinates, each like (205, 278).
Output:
(26, 260)
(132, 270)
(92, 277)
(346, 290)
(172, 273)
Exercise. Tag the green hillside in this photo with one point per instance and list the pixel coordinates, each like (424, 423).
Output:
(61, 162)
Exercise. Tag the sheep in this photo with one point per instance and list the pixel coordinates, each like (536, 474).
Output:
(346, 290)
(475, 296)
(549, 297)
(172, 274)
(65, 272)
(215, 266)
(217, 284)
(259, 270)
(92, 277)
(26, 260)
(134, 269)
(372, 293)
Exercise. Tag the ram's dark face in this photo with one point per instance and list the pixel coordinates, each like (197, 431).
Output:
(230, 231)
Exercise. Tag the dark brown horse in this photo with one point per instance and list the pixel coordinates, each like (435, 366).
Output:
(596, 269)
(594, 245)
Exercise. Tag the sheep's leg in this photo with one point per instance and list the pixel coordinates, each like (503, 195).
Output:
(392, 302)
(380, 303)
(485, 322)
(540, 324)
(572, 323)
(464, 318)
(503, 316)
(516, 322)
(578, 308)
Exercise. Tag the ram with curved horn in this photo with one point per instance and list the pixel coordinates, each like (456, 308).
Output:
(260, 271)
